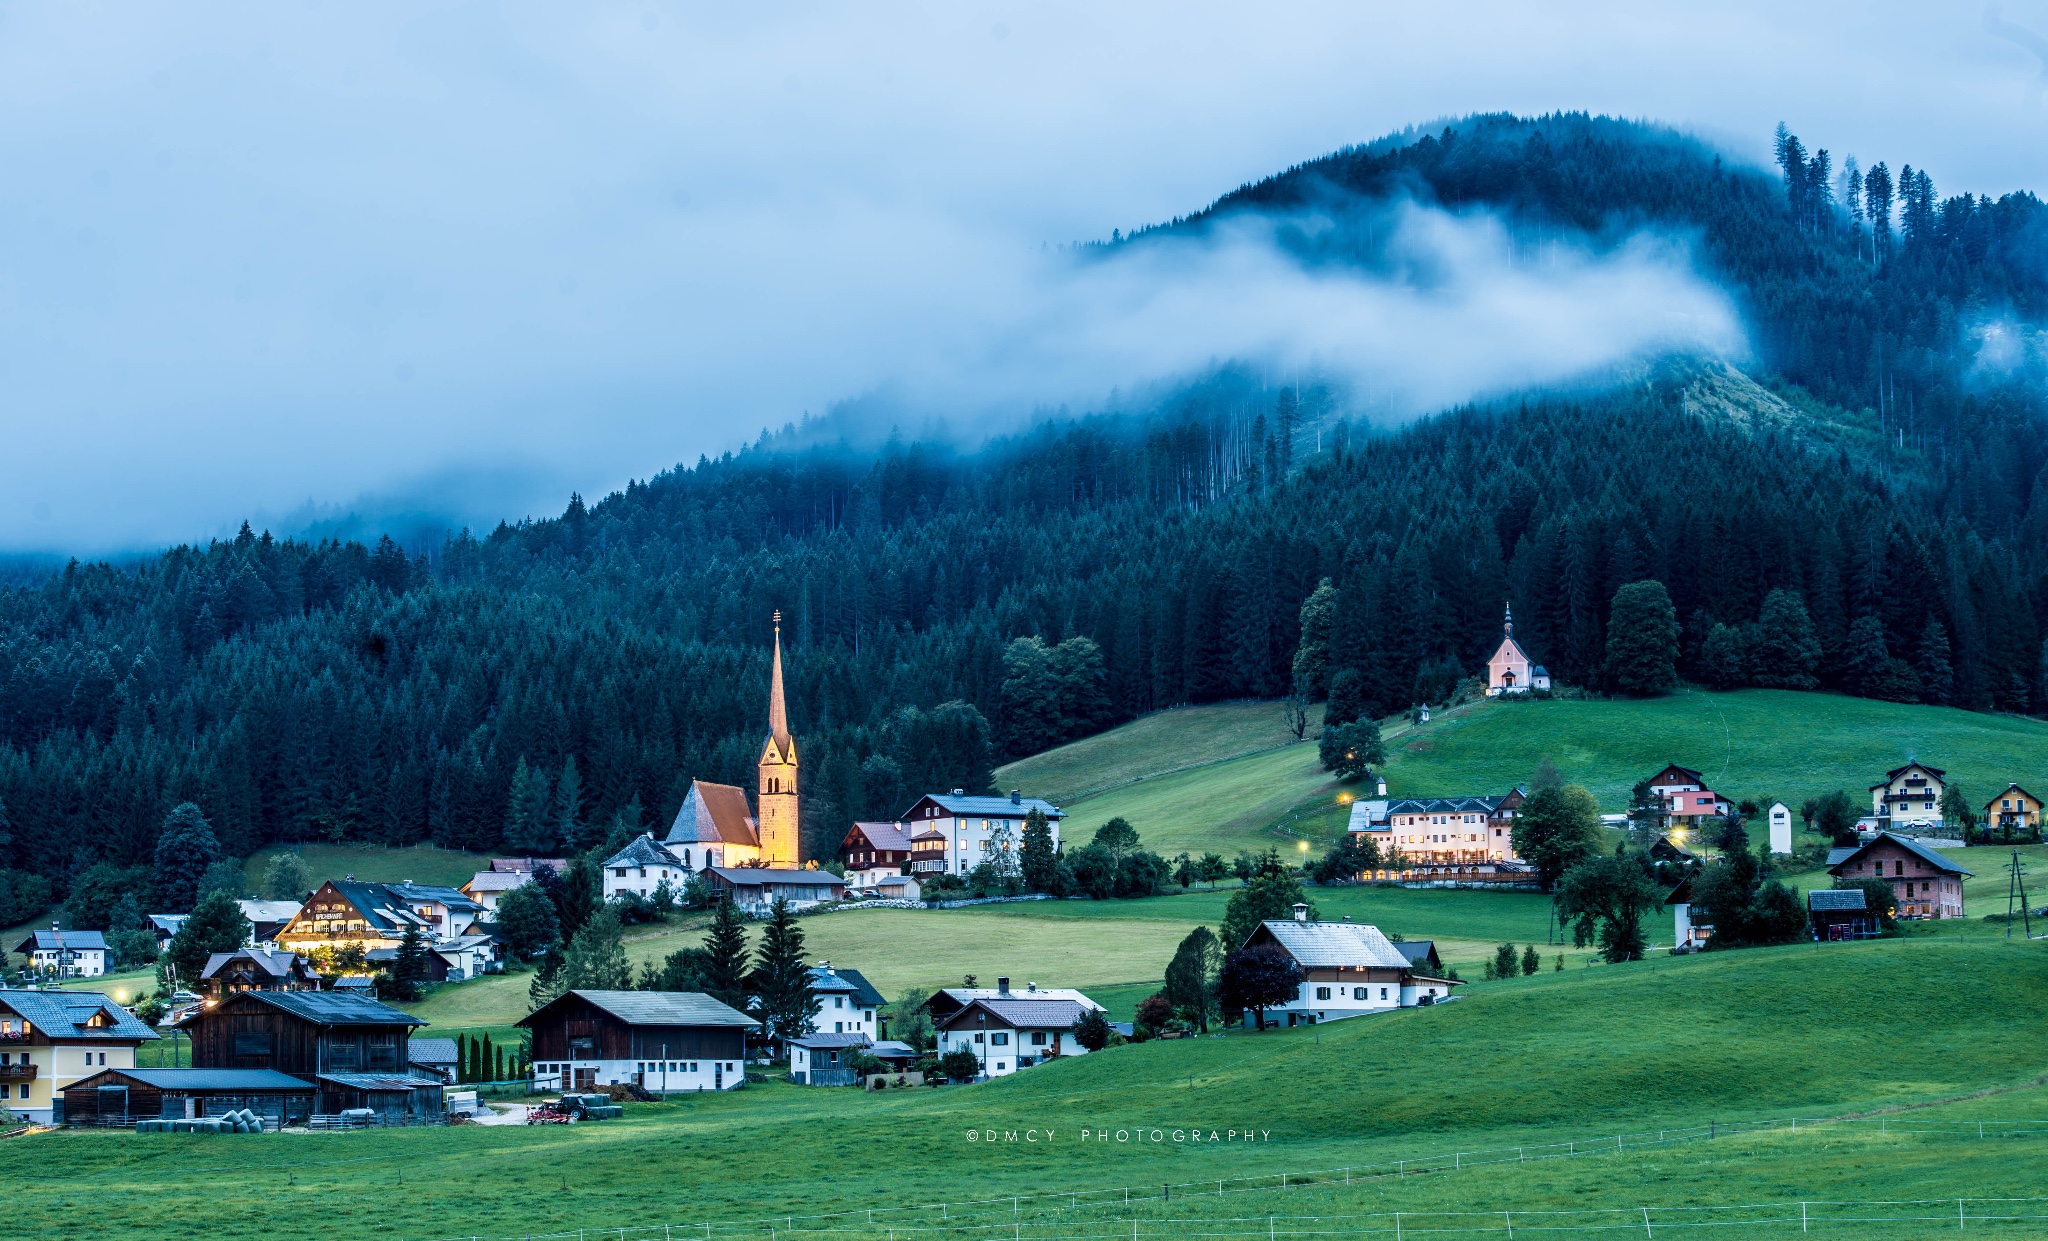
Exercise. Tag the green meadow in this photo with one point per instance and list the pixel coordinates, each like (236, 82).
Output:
(1228, 789)
(1878, 1030)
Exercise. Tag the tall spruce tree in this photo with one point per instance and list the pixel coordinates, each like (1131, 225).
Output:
(782, 980)
(725, 962)
(184, 849)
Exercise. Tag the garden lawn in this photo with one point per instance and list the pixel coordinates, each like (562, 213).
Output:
(1585, 1053)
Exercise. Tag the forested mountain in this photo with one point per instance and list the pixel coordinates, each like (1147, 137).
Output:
(515, 691)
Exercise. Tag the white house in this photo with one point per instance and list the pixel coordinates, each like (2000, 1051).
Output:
(1909, 796)
(1349, 969)
(1014, 1030)
(488, 887)
(67, 954)
(847, 1002)
(641, 867)
(1686, 934)
(973, 828)
(469, 956)
(1781, 828)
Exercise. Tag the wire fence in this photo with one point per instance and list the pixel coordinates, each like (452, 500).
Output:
(1872, 1217)
(1084, 1213)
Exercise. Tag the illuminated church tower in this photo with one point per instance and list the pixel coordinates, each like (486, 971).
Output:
(778, 798)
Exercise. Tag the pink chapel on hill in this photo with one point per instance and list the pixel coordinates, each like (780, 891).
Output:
(1510, 671)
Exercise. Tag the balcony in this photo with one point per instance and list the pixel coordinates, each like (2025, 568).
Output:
(18, 1072)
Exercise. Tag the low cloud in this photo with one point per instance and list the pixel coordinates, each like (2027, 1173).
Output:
(264, 260)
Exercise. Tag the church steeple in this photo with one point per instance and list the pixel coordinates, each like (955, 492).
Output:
(779, 815)
(778, 715)
(1507, 628)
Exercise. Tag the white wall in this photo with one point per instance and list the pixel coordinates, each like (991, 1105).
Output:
(841, 1014)
(680, 1076)
(1002, 1059)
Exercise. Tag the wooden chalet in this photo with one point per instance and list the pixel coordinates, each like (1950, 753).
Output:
(256, 969)
(659, 1040)
(351, 1049)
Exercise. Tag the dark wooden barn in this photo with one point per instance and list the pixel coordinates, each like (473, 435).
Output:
(354, 1050)
(124, 1096)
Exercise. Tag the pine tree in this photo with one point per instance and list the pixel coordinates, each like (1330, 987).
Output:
(1312, 657)
(725, 962)
(530, 819)
(184, 849)
(1865, 657)
(596, 956)
(409, 971)
(1040, 861)
(1784, 651)
(1937, 675)
(567, 812)
(782, 980)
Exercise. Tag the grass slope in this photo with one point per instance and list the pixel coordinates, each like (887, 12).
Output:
(372, 864)
(1762, 744)
(1586, 1052)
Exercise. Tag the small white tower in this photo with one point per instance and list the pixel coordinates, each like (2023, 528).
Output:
(1781, 828)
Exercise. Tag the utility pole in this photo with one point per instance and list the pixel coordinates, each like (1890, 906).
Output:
(2016, 890)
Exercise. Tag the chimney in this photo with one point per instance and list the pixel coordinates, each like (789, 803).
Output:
(1347, 917)
(1031, 986)
(1300, 912)
(959, 792)
(1016, 797)
(1002, 986)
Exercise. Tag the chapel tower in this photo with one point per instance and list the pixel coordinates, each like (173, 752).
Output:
(780, 845)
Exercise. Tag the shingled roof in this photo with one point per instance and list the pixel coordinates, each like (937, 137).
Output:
(1836, 898)
(642, 850)
(326, 1008)
(655, 1008)
(1328, 944)
(1020, 1012)
(713, 814)
(1910, 845)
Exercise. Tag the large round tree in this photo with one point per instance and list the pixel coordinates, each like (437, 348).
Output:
(1642, 640)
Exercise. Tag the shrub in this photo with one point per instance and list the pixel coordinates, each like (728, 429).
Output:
(960, 1066)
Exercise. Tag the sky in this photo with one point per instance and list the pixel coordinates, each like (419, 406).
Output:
(283, 261)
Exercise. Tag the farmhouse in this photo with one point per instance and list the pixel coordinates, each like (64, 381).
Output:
(950, 1000)
(2014, 810)
(847, 1002)
(434, 1057)
(124, 1096)
(376, 915)
(1008, 1032)
(50, 1039)
(755, 889)
(1510, 670)
(487, 887)
(256, 969)
(658, 1040)
(969, 830)
(874, 851)
(66, 954)
(1349, 969)
(351, 1049)
(1926, 884)
(641, 867)
(1688, 932)
(1684, 798)
(1909, 795)
(715, 827)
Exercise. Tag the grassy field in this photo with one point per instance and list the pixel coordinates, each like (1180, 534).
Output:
(1806, 1031)
(1762, 744)
(373, 864)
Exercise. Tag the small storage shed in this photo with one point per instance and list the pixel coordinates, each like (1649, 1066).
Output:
(124, 1096)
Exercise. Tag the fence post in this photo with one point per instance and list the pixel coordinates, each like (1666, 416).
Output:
(1397, 1226)
(1511, 1224)
(1959, 1215)
(1802, 1217)
(1646, 1223)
